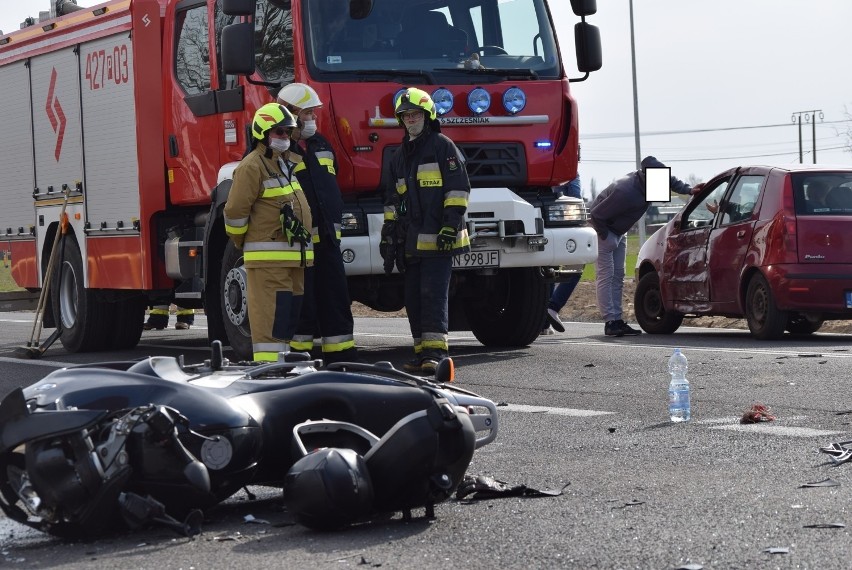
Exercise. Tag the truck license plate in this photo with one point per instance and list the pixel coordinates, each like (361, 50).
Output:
(475, 259)
(849, 299)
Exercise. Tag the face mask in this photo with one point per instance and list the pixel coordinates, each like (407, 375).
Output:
(309, 129)
(414, 129)
(281, 145)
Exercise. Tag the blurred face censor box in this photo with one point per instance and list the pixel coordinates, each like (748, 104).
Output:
(657, 184)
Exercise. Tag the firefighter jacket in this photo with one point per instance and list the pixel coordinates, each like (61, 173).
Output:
(261, 187)
(429, 190)
(317, 174)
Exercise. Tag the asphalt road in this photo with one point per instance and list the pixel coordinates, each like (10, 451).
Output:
(582, 410)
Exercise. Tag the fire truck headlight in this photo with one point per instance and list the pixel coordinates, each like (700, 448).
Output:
(443, 100)
(354, 224)
(566, 212)
(479, 100)
(514, 100)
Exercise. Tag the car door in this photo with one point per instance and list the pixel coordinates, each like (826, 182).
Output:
(729, 241)
(684, 264)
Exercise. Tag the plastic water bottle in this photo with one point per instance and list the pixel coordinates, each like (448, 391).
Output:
(679, 408)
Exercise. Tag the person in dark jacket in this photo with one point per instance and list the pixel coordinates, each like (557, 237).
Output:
(613, 213)
(326, 307)
(426, 199)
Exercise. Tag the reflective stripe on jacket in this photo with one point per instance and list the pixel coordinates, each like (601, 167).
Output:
(317, 176)
(252, 212)
(431, 191)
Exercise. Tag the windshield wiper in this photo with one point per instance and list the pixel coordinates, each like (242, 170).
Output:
(508, 73)
(385, 73)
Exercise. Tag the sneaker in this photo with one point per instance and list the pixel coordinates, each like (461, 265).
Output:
(181, 326)
(627, 329)
(547, 331)
(553, 319)
(613, 328)
(150, 327)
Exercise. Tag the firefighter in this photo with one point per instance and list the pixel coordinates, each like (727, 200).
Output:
(158, 318)
(268, 217)
(426, 199)
(326, 307)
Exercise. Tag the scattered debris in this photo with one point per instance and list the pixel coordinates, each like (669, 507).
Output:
(629, 504)
(757, 414)
(252, 519)
(483, 487)
(838, 452)
(825, 525)
(777, 550)
(823, 483)
(589, 365)
(690, 567)
(611, 430)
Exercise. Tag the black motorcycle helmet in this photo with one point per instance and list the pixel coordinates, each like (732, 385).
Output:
(328, 489)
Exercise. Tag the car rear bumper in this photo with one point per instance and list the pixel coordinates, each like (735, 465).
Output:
(813, 288)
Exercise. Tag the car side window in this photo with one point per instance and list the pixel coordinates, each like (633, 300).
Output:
(702, 209)
(741, 203)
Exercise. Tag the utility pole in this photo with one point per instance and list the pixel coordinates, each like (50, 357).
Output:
(636, 117)
(810, 116)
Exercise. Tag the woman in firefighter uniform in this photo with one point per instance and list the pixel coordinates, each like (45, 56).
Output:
(424, 217)
(326, 308)
(267, 216)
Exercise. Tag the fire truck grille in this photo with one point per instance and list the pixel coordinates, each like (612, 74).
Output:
(495, 164)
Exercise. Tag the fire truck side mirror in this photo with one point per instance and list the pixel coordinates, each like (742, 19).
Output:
(238, 49)
(587, 40)
(584, 7)
(238, 7)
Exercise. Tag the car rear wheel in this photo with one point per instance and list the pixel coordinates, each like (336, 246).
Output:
(651, 314)
(765, 320)
(802, 324)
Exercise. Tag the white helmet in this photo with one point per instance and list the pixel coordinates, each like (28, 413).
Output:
(299, 95)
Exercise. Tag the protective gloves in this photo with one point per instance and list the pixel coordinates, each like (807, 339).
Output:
(446, 238)
(292, 227)
(388, 245)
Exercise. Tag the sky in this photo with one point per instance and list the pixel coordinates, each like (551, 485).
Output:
(722, 70)
(713, 64)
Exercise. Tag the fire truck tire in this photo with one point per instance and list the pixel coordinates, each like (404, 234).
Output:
(234, 306)
(507, 309)
(83, 317)
(127, 318)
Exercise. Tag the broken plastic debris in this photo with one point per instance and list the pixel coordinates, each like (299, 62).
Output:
(777, 550)
(825, 525)
(630, 504)
(823, 483)
(690, 567)
(252, 519)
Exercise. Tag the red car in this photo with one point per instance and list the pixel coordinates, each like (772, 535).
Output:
(770, 244)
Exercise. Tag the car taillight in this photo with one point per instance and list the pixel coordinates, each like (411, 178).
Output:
(788, 218)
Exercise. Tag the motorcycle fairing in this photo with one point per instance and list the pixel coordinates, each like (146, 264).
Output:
(17, 424)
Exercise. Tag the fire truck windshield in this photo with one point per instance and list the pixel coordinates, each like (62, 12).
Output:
(437, 40)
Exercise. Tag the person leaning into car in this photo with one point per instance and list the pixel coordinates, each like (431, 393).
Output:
(612, 214)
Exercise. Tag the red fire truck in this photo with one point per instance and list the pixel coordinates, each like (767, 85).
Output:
(132, 114)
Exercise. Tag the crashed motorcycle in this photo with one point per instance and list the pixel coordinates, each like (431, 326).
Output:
(88, 449)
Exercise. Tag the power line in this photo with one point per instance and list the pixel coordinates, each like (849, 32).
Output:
(693, 131)
(794, 152)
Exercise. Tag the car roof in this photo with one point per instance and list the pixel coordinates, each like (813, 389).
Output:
(786, 167)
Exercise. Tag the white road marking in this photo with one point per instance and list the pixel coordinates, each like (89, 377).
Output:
(550, 410)
(768, 428)
(37, 362)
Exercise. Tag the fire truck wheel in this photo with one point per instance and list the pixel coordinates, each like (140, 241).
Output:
(79, 311)
(127, 316)
(511, 310)
(234, 305)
